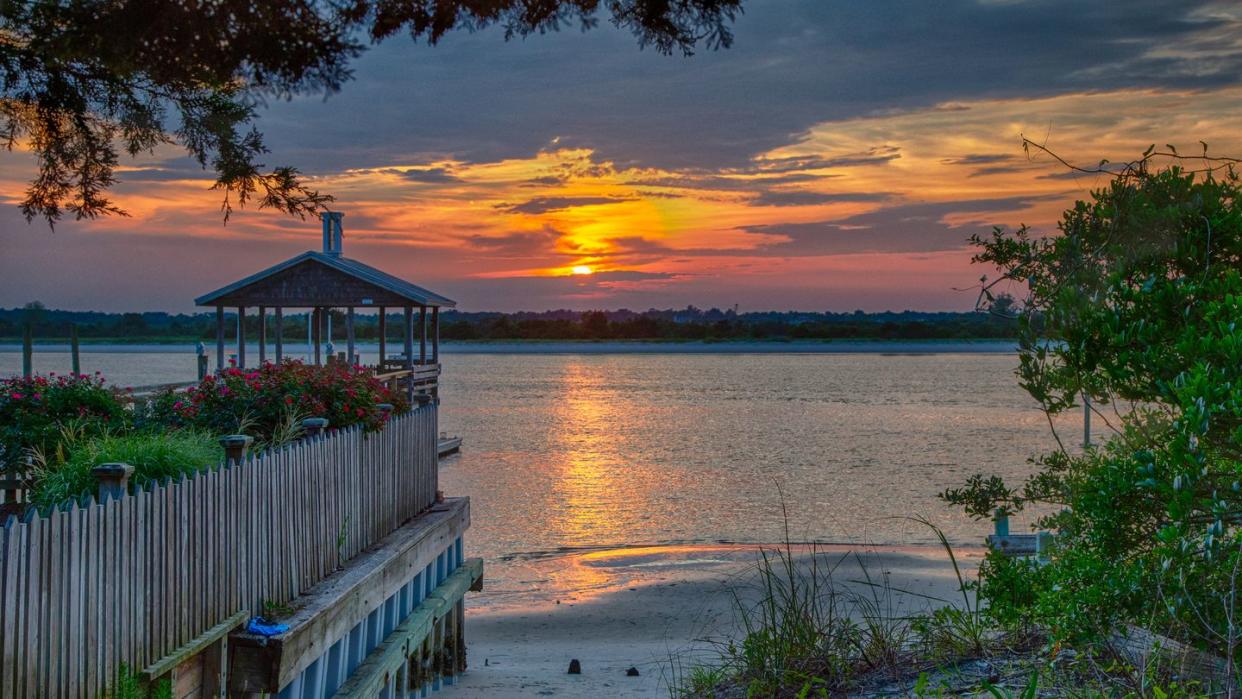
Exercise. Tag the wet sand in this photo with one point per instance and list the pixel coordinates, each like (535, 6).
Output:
(653, 608)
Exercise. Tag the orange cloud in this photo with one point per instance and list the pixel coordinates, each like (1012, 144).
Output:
(874, 203)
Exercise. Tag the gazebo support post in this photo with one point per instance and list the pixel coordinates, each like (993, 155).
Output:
(262, 335)
(280, 334)
(219, 339)
(409, 337)
(241, 337)
(327, 333)
(383, 338)
(422, 342)
(409, 351)
(349, 334)
(435, 335)
(315, 330)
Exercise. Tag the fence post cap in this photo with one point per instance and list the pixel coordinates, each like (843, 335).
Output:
(113, 469)
(236, 440)
(113, 480)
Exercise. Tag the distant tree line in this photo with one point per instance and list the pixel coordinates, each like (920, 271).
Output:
(686, 324)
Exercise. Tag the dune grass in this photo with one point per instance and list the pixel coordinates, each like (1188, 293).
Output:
(805, 631)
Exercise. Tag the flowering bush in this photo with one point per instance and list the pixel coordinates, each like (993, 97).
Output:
(35, 413)
(261, 402)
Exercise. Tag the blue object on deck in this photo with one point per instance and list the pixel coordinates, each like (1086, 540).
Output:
(262, 627)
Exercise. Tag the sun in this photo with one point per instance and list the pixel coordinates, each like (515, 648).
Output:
(582, 269)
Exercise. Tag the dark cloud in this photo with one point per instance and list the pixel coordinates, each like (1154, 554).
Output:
(798, 197)
(978, 159)
(542, 205)
(177, 169)
(547, 181)
(917, 227)
(702, 181)
(157, 174)
(431, 175)
(630, 275)
(518, 243)
(878, 155)
(998, 170)
(1078, 176)
(793, 64)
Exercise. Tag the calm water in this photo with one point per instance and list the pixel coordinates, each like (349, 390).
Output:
(584, 450)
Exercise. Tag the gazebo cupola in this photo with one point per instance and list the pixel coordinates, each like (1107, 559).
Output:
(321, 281)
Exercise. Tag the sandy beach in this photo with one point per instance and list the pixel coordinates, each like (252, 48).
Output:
(655, 609)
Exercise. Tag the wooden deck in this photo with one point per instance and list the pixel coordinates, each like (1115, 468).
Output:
(448, 445)
(329, 611)
(153, 571)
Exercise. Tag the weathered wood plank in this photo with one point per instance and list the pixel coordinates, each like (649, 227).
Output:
(332, 608)
(208, 637)
(427, 621)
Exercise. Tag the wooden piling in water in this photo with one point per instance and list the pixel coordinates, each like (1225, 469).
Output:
(73, 349)
(28, 351)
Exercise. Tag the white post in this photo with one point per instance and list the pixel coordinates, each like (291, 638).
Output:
(330, 349)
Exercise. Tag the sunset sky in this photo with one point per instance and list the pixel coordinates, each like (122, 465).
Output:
(837, 157)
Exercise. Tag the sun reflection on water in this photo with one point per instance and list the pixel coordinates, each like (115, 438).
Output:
(590, 450)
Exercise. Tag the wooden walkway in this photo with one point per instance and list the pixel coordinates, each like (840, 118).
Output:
(133, 579)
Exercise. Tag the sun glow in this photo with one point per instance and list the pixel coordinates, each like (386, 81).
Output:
(582, 269)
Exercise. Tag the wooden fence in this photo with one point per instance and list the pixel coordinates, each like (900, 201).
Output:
(130, 580)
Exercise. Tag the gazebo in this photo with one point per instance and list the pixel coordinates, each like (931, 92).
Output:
(320, 282)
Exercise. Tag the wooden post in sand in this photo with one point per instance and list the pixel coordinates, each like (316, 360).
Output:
(73, 349)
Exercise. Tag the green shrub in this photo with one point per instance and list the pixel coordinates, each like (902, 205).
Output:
(154, 456)
(1011, 585)
(130, 685)
(43, 413)
(1137, 304)
(263, 402)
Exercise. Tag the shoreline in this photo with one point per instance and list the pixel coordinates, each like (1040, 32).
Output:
(653, 608)
(554, 347)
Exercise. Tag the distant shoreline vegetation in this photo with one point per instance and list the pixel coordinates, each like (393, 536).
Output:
(686, 325)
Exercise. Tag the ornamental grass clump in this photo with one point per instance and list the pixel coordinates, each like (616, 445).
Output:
(154, 456)
(260, 402)
(37, 413)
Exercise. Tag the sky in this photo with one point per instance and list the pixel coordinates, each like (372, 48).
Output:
(839, 156)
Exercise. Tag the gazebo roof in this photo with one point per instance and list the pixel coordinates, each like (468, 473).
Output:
(323, 279)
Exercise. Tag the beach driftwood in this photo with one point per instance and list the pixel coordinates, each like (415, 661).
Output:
(1143, 648)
